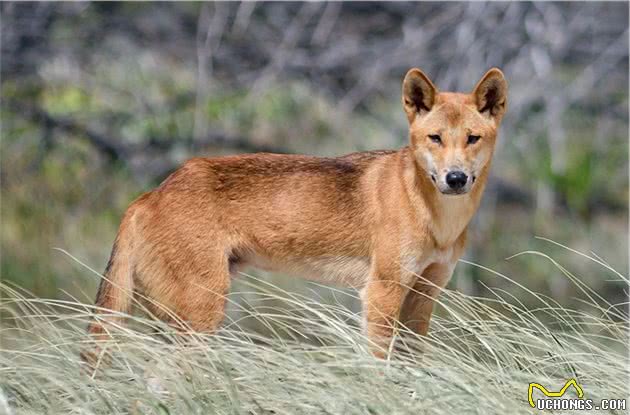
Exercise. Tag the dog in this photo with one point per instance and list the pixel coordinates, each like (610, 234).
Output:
(390, 223)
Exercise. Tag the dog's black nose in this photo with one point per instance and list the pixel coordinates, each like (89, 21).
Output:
(456, 179)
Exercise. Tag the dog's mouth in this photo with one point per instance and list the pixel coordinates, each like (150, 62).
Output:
(446, 190)
(451, 192)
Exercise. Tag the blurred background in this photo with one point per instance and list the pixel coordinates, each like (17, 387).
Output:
(100, 101)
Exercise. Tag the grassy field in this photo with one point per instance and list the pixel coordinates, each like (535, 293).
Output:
(480, 356)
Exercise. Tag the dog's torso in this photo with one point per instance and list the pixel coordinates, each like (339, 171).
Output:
(320, 218)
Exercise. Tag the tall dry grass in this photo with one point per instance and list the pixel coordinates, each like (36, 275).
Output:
(480, 357)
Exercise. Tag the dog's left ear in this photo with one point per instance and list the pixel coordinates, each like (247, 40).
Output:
(491, 94)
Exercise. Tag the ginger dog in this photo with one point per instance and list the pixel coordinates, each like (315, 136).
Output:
(389, 223)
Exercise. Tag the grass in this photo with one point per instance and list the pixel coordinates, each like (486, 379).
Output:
(480, 357)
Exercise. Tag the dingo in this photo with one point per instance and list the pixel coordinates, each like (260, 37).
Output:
(389, 223)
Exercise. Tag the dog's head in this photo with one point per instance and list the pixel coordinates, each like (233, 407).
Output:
(453, 135)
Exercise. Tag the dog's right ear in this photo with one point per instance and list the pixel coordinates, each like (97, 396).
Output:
(418, 94)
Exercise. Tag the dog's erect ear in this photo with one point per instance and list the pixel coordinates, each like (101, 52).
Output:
(491, 94)
(418, 94)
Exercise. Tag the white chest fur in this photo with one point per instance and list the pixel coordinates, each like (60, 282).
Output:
(454, 214)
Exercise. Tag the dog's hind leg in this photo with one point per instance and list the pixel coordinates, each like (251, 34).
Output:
(201, 304)
(187, 287)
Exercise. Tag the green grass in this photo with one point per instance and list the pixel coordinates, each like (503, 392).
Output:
(480, 357)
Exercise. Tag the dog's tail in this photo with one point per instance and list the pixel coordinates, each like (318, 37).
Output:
(115, 293)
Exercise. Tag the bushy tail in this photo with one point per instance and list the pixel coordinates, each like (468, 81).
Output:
(115, 293)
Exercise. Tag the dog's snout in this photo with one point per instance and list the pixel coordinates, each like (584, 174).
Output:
(456, 179)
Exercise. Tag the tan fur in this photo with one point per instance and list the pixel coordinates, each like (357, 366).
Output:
(376, 221)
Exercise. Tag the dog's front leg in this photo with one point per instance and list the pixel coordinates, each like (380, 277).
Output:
(382, 302)
(418, 304)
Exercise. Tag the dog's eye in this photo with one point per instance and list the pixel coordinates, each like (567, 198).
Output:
(472, 139)
(435, 138)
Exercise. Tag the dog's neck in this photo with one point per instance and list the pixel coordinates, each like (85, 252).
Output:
(449, 215)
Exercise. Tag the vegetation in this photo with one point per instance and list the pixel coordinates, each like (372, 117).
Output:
(101, 101)
(479, 358)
